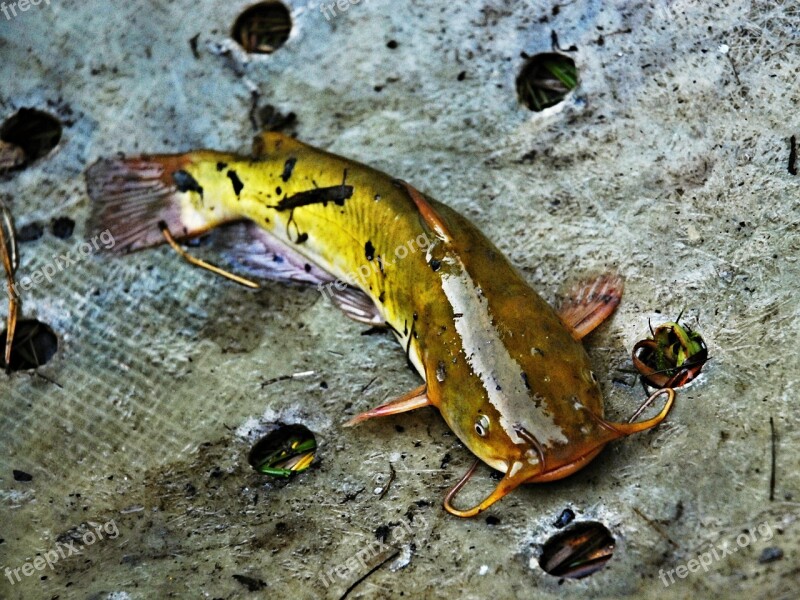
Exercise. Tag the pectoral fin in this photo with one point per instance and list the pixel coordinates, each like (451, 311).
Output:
(428, 213)
(589, 303)
(416, 398)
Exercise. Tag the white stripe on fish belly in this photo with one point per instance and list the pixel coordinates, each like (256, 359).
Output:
(490, 360)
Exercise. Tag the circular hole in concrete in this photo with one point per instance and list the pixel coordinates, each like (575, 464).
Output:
(286, 450)
(27, 135)
(34, 345)
(263, 28)
(579, 551)
(545, 80)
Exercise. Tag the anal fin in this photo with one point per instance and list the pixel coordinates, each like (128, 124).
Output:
(416, 398)
(591, 302)
(262, 255)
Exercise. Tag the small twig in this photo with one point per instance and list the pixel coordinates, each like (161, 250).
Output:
(370, 572)
(386, 487)
(656, 526)
(10, 259)
(286, 378)
(364, 389)
(735, 72)
(793, 155)
(772, 469)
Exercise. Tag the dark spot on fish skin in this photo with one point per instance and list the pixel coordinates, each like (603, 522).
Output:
(369, 250)
(381, 297)
(288, 167)
(307, 268)
(303, 237)
(336, 194)
(186, 183)
(277, 258)
(525, 381)
(377, 197)
(221, 166)
(440, 372)
(435, 264)
(380, 264)
(405, 327)
(238, 186)
(416, 316)
(278, 190)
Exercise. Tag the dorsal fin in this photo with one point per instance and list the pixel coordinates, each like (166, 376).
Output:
(429, 214)
(268, 142)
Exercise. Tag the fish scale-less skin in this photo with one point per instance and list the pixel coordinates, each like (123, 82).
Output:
(336, 235)
(504, 331)
(525, 334)
(511, 380)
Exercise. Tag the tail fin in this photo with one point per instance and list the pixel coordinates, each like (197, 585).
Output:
(134, 195)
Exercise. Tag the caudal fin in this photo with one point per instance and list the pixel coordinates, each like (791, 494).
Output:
(133, 196)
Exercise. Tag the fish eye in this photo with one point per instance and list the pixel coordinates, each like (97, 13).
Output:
(482, 425)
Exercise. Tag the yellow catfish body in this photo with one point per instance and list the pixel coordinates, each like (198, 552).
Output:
(508, 374)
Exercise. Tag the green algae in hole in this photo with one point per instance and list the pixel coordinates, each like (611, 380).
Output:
(29, 134)
(286, 450)
(35, 344)
(545, 80)
(263, 28)
(579, 551)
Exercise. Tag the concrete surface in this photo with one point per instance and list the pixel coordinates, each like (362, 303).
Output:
(668, 164)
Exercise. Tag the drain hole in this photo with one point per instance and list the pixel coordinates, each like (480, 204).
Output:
(287, 450)
(581, 550)
(33, 346)
(263, 28)
(545, 80)
(26, 136)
